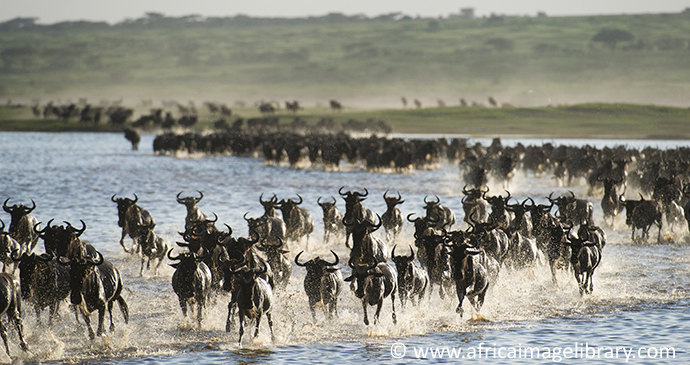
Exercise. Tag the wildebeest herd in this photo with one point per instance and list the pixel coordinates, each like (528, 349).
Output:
(501, 233)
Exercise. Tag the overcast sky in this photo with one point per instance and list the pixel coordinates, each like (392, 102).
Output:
(52, 11)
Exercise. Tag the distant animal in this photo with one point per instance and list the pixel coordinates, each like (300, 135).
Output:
(392, 218)
(332, 219)
(133, 137)
(335, 105)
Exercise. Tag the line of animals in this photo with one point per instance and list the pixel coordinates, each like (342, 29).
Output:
(499, 234)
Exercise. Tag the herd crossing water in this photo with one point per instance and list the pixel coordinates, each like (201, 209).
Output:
(639, 300)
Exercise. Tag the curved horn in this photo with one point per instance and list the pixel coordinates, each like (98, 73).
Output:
(393, 251)
(97, 261)
(201, 196)
(572, 195)
(366, 192)
(136, 199)
(399, 197)
(340, 191)
(212, 221)
(182, 244)
(245, 217)
(3, 225)
(229, 229)
(337, 259)
(300, 200)
(297, 259)
(318, 201)
(508, 197)
(261, 199)
(412, 220)
(411, 256)
(178, 197)
(29, 210)
(464, 190)
(111, 198)
(377, 226)
(438, 200)
(173, 258)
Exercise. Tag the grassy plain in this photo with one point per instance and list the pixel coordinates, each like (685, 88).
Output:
(524, 61)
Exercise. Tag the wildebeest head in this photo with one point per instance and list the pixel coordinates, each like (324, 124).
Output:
(630, 206)
(289, 205)
(269, 205)
(327, 207)
(189, 201)
(79, 268)
(403, 263)
(360, 273)
(431, 206)
(247, 275)
(352, 199)
(498, 202)
(18, 211)
(423, 225)
(57, 239)
(318, 266)
(473, 194)
(123, 205)
(392, 201)
(362, 228)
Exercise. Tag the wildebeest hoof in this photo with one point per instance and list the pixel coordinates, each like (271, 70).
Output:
(366, 321)
(459, 310)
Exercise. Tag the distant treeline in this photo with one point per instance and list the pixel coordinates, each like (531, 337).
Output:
(158, 20)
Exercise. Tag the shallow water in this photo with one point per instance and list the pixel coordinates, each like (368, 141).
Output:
(639, 301)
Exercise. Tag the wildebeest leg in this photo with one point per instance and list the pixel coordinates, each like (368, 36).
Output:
(231, 312)
(122, 240)
(200, 311)
(366, 317)
(141, 270)
(87, 319)
(460, 290)
(183, 305)
(3, 333)
(123, 307)
(17, 319)
(270, 325)
(110, 313)
(258, 323)
(101, 321)
(378, 311)
(241, 326)
(395, 320)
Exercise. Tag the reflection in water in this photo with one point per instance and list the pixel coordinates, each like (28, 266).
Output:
(640, 293)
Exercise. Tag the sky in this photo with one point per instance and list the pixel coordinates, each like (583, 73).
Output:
(53, 11)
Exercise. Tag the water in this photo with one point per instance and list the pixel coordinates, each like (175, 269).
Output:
(639, 301)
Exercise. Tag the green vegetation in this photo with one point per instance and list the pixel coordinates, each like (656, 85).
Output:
(524, 61)
(581, 120)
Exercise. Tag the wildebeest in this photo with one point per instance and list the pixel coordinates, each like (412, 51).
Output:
(191, 281)
(322, 283)
(354, 211)
(642, 214)
(573, 210)
(22, 225)
(298, 220)
(446, 217)
(364, 244)
(373, 283)
(473, 271)
(193, 212)
(254, 297)
(474, 205)
(131, 218)
(610, 205)
(412, 279)
(335, 105)
(434, 257)
(392, 218)
(8, 245)
(152, 247)
(585, 258)
(11, 304)
(282, 269)
(269, 206)
(94, 284)
(332, 219)
(499, 214)
(43, 282)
